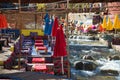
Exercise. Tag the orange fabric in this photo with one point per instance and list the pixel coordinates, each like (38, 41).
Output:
(100, 28)
(3, 21)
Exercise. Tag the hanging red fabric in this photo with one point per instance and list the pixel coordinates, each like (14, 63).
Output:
(60, 44)
(55, 26)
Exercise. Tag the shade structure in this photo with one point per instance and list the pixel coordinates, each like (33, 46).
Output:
(3, 21)
(104, 23)
(116, 22)
(47, 21)
(55, 26)
(60, 46)
(109, 25)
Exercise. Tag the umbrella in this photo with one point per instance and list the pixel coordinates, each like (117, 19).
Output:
(109, 25)
(55, 26)
(119, 22)
(116, 22)
(3, 21)
(104, 23)
(60, 46)
(47, 20)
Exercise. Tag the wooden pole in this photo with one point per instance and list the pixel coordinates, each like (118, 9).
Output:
(19, 63)
(35, 21)
(36, 17)
(19, 7)
(67, 35)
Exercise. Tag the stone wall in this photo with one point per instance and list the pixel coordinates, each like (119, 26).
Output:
(20, 20)
(114, 8)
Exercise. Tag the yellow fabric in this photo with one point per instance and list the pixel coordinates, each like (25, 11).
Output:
(40, 6)
(119, 23)
(104, 24)
(26, 32)
(116, 22)
(109, 25)
(12, 48)
(16, 67)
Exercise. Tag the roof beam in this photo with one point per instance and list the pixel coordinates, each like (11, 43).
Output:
(52, 1)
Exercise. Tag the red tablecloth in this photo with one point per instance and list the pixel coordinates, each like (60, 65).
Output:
(41, 48)
(38, 41)
(39, 44)
(38, 60)
(39, 67)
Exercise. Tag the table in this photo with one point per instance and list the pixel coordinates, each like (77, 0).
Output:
(39, 44)
(49, 66)
(38, 41)
(41, 48)
(39, 67)
(38, 60)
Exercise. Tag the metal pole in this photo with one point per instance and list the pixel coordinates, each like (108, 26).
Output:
(67, 34)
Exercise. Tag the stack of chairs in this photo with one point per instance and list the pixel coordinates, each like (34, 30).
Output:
(24, 46)
(10, 61)
(58, 66)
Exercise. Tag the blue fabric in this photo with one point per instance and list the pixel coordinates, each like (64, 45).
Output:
(46, 16)
(45, 42)
(50, 27)
(47, 21)
(16, 31)
(34, 51)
